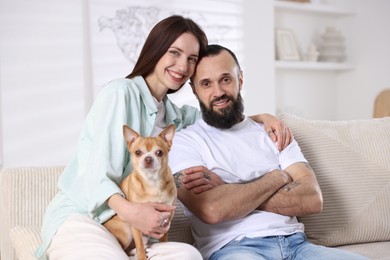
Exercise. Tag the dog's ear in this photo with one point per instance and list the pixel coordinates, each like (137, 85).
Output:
(168, 133)
(129, 134)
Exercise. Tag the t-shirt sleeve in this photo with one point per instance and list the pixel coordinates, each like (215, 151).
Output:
(290, 155)
(185, 152)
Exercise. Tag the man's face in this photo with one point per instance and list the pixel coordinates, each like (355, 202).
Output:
(217, 84)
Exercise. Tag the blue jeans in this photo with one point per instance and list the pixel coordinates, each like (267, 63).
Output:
(293, 246)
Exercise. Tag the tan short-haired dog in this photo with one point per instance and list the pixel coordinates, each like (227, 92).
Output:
(150, 181)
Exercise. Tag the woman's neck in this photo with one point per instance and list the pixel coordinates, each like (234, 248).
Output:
(158, 91)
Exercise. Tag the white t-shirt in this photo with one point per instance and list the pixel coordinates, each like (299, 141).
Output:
(238, 154)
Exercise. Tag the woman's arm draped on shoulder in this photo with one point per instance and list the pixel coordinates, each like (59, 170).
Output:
(276, 129)
(186, 115)
(190, 115)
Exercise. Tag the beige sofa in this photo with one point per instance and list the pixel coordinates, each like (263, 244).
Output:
(351, 160)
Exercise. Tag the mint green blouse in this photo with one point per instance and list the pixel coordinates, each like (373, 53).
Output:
(102, 159)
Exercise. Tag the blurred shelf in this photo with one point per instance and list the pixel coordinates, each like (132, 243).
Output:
(306, 65)
(312, 8)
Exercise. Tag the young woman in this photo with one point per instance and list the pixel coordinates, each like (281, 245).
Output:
(88, 188)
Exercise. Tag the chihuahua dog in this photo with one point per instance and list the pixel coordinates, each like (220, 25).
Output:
(150, 181)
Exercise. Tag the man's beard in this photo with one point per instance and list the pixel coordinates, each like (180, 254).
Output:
(226, 117)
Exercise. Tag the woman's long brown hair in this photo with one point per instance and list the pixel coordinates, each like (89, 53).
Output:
(160, 38)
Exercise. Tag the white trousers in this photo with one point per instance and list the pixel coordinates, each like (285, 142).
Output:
(81, 237)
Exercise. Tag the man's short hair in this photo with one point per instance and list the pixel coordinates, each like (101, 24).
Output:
(213, 50)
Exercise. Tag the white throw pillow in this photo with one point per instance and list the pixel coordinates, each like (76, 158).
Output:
(351, 160)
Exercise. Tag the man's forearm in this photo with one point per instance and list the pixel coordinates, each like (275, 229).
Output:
(233, 201)
(286, 201)
(298, 198)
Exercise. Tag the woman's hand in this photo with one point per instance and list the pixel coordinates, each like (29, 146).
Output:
(152, 219)
(198, 179)
(276, 129)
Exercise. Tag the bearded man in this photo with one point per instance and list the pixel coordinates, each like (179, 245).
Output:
(252, 213)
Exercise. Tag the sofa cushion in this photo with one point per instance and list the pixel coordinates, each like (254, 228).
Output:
(351, 160)
(25, 241)
(377, 250)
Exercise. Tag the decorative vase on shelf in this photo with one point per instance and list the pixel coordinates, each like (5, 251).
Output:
(332, 48)
(311, 54)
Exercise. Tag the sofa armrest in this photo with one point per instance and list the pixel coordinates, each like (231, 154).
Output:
(25, 193)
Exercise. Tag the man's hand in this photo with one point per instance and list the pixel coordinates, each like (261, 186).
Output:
(197, 179)
(232, 201)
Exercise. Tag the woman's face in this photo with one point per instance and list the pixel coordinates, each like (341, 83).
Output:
(177, 65)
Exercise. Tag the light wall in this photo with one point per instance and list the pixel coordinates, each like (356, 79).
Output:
(369, 41)
(259, 73)
(42, 81)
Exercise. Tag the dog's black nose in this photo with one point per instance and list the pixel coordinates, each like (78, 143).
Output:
(148, 159)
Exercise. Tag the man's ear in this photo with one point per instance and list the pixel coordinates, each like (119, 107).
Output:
(193, 89)
(241, 78)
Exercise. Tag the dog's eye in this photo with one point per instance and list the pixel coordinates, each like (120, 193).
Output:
(159, 153)
(138, 152)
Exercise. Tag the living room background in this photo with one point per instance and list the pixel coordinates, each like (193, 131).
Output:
(54, 56)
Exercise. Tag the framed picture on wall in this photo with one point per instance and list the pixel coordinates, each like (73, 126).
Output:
(286, 45)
